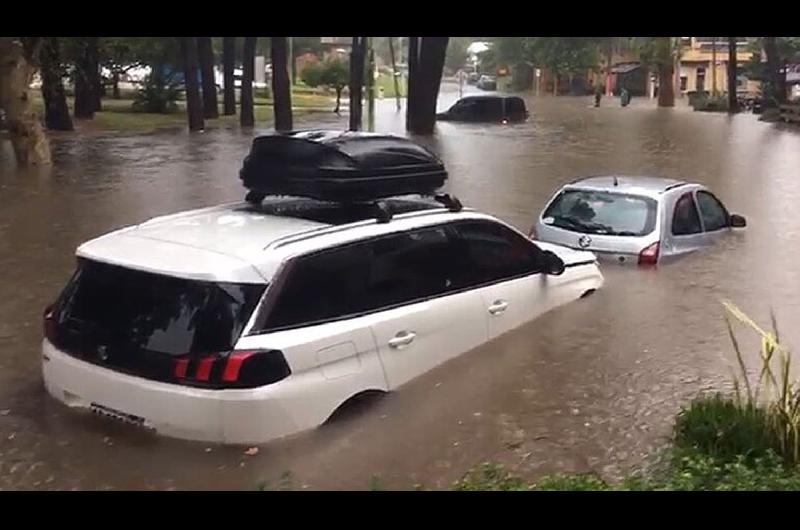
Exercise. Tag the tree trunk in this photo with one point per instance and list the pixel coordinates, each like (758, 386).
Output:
(413, 80)
(356, 82)
(205, 53)
(16, 73)
(56, 112)
(246, 117)
(94, 74)
(86, 79)
(733, 101)
(666, 88)
(421, 110)
(281, 87)
(194, 104)
(777, 79)
(394, 73)
(228, 60)
(115, 85)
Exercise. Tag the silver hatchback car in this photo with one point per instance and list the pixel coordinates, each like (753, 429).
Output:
(642, 220)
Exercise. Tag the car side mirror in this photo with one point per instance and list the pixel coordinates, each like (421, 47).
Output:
(553, 265)
(737, 221)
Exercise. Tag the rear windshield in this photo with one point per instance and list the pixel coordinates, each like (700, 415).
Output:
(602, 212)
(129, 310)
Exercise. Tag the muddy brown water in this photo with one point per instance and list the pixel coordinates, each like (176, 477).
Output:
(591, 386)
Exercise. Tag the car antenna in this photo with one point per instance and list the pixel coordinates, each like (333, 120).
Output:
(616, 183)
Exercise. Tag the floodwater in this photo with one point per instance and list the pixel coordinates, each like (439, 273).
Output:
(591, 386)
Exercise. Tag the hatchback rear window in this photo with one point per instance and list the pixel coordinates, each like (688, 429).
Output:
(129, 311)
(602, 212)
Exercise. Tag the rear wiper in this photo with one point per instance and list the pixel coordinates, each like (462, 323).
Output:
(592, 228)
(623, 233)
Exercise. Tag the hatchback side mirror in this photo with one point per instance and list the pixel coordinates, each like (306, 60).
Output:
(737, 221)
(553, 265)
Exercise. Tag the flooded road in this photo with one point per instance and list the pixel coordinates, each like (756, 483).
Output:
(592, 386)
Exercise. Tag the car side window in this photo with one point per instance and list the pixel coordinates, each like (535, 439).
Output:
(367, 276)
(411, 266)
(715, 217)
(321, 286)
(685, 220)
(495, 253)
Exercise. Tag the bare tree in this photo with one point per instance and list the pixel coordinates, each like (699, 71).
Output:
(194, 105)
(228, 64)
(17, 67)
(56, 112)
(246, 116)
(281, 88)
(205, 53)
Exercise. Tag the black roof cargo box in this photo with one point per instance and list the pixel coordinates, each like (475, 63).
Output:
(339, 166)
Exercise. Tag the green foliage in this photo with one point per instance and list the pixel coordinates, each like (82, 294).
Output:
(489, 477)
(333, 73)
(708, 103)
(158, 95)
(719, 427)
(312, 75)
(565, 482)
(656, 51)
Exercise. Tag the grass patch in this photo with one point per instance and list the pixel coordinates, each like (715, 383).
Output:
(118, 115)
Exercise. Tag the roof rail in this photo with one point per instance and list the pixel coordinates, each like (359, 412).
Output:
(450, 202)
(324, 230)
(673, 186)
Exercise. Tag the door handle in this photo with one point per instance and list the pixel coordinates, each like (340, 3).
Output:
(498, 306)
(404, 338)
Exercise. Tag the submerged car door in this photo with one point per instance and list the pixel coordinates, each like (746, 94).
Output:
(686, 231)
(505, 267)
(421, 318)
(314, 314)
(715, 218)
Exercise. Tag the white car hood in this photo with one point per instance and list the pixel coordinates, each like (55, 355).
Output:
(568, 255)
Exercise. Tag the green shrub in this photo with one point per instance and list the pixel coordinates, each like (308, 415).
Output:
(711, 103)
(157, 96)
(724, 429)
(264, 92)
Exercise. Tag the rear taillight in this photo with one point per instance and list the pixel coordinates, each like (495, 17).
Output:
(649, 256)
(236, 369)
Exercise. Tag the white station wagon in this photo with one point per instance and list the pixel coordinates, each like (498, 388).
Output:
(246, 322)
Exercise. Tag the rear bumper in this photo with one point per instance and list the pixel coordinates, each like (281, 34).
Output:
(226, 416)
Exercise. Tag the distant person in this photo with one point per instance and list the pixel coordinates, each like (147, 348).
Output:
(624, 97)
(598, 95)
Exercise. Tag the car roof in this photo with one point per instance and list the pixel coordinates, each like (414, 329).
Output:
(230, 242)
(637, 185)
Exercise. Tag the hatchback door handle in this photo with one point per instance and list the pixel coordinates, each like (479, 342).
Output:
(404, 338)
(498, 306)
